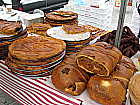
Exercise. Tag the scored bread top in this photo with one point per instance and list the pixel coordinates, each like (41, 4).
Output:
(36, 48)
(10, 27)
(61, 15)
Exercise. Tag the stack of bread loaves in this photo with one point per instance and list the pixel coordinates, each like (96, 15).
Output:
(76, 37)
(35, 55)
(9, 31)
(59, 18)
(108, 69)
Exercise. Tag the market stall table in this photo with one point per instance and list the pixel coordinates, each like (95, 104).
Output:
(46, 81)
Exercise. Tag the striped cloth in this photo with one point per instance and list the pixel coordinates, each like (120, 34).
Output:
(29, 91)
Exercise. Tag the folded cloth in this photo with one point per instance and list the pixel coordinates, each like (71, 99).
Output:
(29, 91)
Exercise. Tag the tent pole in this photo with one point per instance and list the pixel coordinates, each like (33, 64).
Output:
(120, 22)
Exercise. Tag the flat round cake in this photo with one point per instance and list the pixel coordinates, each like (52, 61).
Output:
(38, 28)
(61, 16)
(35, 48)
(10, 27)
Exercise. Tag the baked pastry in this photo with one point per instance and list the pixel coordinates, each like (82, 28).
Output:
(35, 55)
(106, 90)
(38, 28)
(91, 28)
(57, 18)
(49, 60)
(34, 65)
(74, 42)
(9, 27)
(6, 40)
(124, 70)
(36, 48)
(134, 87)
(99, 58)
(56, 23)
(74, 29)
(61, 15)
(69, 78)
(33, 69)
(129, 43)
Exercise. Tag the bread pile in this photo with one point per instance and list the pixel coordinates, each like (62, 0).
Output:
(106, 90)
(91, 58)
(9, 27)
(134, 89)
(9, 31)
(129, 44)
(58, 18)
(76, 37)
(35, 55)
(69, 78)
(38, 28)
(109, 71)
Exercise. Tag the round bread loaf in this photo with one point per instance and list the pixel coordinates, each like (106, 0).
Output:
(36, 48)
(106, 90)
(74, 29)
(38, 28)
(46, 61)
(57, 23)
(134, 87)
(69, 78)
(124, 70)
(61, 16)
(10, 28)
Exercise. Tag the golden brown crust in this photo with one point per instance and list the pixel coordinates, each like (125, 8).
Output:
(37, 63)
(91, 28)
(4, 45)
(25, 72)
(10, 28)
(124, 70)
(38, 28)
(106, 91)
(134, 86)
(35, 48)
(55, 23)
(25, 66)
(74, 29)
(65, 77)
(99, 58)
(60, 15)
(69, 78)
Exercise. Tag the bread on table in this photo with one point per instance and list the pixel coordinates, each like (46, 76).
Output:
(99, 58)
(74, 29)
(38, 28)
(35, 55)
(106, 90)
(36, 48)
(124, 70)
(58, 18)
(10, 27)
(69, 78)
(134, 87)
